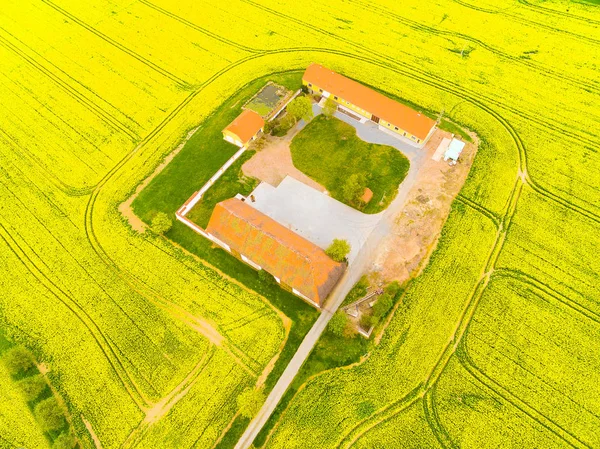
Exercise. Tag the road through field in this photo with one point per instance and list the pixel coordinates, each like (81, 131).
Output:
(361, 264)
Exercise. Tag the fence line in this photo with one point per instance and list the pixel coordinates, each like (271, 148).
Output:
(193, 200)
(284, 105)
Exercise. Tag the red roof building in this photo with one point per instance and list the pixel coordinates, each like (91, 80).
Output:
(265, 244)
(369, 103)
(244, 128)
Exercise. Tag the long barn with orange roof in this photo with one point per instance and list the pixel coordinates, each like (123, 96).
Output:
(296, 264)
(368, 103)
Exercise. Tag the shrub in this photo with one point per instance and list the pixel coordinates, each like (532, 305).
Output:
(32, 386)
(383, 305)
(268, 128)
(65, 440)
(338, 250)
(283, 125)
(366, 321)
(354, 187)
(161, 223)
(338, 323)
(329, 107)
(300, 108)
(49, 415)
(18, 360)
(250, 402)
(392, 289)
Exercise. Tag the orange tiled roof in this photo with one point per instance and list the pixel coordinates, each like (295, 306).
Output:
(367, 195)
(377, 104)
(280, 251)
(246, 125)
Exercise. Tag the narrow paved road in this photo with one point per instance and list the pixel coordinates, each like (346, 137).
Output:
(361, 264)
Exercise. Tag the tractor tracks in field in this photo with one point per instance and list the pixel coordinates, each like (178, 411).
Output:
(557, 296)
(70, 303)
(560, 14)
(162, 407)
(539, 68)
(201, 29)
(167, 74)
(527, 22)
(490, 384)
(91, 106)
(433, 420)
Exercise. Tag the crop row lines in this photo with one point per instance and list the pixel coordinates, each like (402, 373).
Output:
(549, 291)
(584, 83)
(527, 22)
(97, 334)
(181, 82)
(169, 401)
(558, 13)
(201, 29)
(32, 182)
(518, 403)
(109, 119)
(433, 420)
(17, 118)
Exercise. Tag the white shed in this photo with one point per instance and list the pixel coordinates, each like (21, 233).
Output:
(454, 150)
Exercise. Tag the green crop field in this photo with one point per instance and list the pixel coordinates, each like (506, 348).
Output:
(150, 339)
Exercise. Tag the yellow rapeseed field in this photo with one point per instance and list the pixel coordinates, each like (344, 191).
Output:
(495, 345)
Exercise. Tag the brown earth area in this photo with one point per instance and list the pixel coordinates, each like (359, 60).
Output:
(273, 162)
(415, 231)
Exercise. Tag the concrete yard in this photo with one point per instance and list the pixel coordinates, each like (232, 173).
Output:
(314, 215)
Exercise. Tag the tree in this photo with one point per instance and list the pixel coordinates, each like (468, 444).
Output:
(18, 359)
(32, 386)
(338, 250)
(366, 321)
(354, 187)
(65, 440)
(300, 108)
(250, 402)
(383, 305)
(161, 223)
(329, 107)
(337, 323)
(392, 289)
(49, 415)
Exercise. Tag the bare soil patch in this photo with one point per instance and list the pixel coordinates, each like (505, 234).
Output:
(416, 229)
(273, 162)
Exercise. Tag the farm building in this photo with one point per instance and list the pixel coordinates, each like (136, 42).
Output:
(244, 129)
(297, 264)
(351, 95)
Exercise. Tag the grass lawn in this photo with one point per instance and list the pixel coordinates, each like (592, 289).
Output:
(329, 151)
(227, 186)
(451, 127)
(200, 158)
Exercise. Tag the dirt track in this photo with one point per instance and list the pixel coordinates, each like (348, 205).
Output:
(416, 228)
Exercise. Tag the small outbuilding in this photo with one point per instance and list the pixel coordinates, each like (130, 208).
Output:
(454, 150)
(244, 129)
(367, 196)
